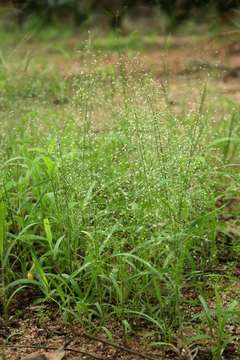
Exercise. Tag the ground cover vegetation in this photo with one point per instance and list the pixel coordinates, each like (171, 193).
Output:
(118, 206)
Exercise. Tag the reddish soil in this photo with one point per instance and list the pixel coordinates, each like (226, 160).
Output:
(39, 327)
(186, 61)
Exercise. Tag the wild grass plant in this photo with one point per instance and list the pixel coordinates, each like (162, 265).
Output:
(108, 196)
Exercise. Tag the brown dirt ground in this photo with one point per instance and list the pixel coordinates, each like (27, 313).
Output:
(45, 329)
(184, 62)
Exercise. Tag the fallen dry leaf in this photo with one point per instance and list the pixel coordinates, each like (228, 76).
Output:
(35, 356)
(56, 355)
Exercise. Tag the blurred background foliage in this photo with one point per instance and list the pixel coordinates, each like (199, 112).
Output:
(116, 13)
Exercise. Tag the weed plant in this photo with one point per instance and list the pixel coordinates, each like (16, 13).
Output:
(108, 196)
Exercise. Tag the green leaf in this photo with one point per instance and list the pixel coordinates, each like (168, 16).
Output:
(48, 232)
(207, 311)
(2, 229)
(224, 140)
(49, 164)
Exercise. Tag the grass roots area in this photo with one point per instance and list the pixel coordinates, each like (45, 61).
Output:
(117, 206)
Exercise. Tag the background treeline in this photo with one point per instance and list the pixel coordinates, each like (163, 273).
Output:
(115, 10)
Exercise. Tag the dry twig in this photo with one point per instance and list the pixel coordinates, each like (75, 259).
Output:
(120, 347)
(39, 347)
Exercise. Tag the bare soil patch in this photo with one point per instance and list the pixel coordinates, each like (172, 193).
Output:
(189, 60)
(39, 331)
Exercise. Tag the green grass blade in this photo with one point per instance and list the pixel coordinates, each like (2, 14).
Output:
(2, 229)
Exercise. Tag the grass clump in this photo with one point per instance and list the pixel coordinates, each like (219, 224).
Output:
(108, 198)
